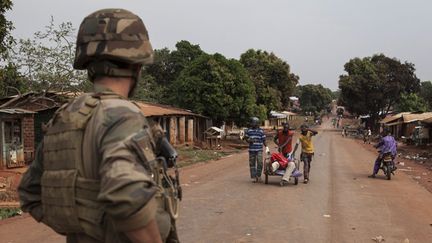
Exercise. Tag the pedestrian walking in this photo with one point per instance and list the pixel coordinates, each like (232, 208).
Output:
(257, 139)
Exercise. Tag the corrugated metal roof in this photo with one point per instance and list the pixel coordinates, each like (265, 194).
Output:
(16, 111)
(151, 109)
(393, 123)
(407, 118)
(393, 118)
(289, 113)
(276, 114)
(428, 120)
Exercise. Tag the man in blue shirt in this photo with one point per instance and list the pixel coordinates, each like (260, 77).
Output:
(256, 138)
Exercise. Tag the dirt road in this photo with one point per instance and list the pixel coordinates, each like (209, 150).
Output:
(340, 204)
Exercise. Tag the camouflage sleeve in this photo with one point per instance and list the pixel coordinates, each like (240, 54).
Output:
(127, 189)
(29, 189)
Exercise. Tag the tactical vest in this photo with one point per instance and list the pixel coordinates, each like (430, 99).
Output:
(69, 200)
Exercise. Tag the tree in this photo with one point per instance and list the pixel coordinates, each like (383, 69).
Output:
(11, 81)
(216, 87)
(274, 82)
(183, 56)
(314, 98)
(165, 70)
(411, 103)
(168, 64)
(46, 60)
(336, 94)
(6, 26)
(149, 90)
(373, 85)
(426, 93)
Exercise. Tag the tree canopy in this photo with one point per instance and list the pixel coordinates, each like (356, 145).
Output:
(186, 77)
(426, 93)
(46, 60)
(373, 85)
(11, 81)
(272, 78)
(314, 98)
(6, 26)
(411, 102)
(166, 68)
(216, 87)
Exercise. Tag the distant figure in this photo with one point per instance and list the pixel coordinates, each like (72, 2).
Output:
(367, 135)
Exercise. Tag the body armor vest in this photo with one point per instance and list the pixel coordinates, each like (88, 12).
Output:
(69, 200)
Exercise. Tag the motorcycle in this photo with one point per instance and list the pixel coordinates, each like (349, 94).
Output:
(387, 165)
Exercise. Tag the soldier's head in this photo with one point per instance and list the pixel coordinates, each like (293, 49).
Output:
(254, 122)
(113, 43)
(285, 127)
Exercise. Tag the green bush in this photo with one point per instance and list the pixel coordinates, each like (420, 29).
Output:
(9, 212)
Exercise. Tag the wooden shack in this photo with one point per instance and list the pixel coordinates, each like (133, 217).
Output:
(16, 137)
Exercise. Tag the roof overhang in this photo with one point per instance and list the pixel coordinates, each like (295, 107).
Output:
(15, 111)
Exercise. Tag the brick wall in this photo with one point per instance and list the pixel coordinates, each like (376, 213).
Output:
(29, 137)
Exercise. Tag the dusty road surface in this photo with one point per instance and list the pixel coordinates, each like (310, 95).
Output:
(340, 204)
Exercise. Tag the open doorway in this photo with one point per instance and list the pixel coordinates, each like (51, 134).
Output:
(12, 146)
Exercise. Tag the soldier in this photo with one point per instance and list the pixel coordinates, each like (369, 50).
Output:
(96, 177)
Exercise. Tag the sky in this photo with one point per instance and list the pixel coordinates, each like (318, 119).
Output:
(315, 37)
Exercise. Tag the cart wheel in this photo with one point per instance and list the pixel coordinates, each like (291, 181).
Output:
(266, 178)
(295, 180)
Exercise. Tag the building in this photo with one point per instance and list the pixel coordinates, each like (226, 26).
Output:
(276, 119)
(42, 104)
(28, 113)
(405, 124)
(181, 126)
(16, 137)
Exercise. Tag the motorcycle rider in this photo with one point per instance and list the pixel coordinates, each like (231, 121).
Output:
(387, 145)
(256, 138)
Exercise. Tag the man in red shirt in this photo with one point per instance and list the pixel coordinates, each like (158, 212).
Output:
(284, 139)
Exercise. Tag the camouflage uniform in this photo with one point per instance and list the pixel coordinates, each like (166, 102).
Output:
(96, 175)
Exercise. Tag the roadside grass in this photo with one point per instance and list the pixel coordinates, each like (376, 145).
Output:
(9, 212)
(189, 156)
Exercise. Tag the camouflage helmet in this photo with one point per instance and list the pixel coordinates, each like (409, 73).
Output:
(113, 35)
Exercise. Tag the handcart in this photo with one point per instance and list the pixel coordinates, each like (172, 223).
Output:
(280, 172)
